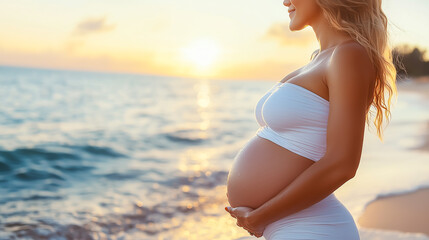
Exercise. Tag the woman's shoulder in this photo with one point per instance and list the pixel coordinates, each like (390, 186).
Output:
(351, 59)
(350, 52)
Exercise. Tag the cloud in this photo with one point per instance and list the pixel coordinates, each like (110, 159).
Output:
(281, 33)
(93, 25)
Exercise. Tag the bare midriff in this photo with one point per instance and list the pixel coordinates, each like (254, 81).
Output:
(260, 170)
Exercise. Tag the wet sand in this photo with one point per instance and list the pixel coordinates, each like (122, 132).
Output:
(404, 212)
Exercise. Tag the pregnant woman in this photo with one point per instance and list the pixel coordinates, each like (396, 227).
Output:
(312, 126)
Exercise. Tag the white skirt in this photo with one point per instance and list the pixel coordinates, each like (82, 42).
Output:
(325, 220)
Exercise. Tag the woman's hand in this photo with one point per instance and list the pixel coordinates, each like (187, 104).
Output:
(243, 220)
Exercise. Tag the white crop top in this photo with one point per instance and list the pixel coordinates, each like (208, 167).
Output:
(295, 118)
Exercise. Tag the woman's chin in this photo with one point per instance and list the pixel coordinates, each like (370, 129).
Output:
(295, 28)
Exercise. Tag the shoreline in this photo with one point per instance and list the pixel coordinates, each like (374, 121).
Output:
(404, 212)
(418, 85)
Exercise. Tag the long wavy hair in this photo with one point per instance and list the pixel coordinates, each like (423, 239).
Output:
(365, 21)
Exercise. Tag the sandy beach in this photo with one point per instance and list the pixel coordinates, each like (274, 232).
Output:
(408, 212)
(404, 212)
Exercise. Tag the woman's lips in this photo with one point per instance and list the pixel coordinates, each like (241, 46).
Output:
(291, 12)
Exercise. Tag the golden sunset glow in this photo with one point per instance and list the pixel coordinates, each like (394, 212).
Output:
(201, 53)
(197, 39)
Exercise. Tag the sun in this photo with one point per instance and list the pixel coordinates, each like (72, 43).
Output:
(201, 53)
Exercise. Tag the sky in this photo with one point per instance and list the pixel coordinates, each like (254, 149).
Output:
(222, 39)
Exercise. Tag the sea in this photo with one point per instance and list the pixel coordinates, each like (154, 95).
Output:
(89, 155)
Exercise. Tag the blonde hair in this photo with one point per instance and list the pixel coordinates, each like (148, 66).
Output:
(365, 22)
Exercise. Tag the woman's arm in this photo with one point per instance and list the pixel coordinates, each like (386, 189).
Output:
(349, 77)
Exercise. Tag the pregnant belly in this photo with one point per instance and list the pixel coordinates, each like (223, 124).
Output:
(260, 171)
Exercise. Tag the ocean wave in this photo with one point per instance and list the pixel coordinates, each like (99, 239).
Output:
(31, 197)
(4, 167)
(142, 221)
(64, 167)
(206, 179)
(18, 155)
(46, 230)
(130, 174)
(186, 133)
(98, 150)
(22, 157)
(36, 173)
(9, 156)
(187, 136)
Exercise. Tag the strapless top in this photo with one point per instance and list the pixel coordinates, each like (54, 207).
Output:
(295, 118)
